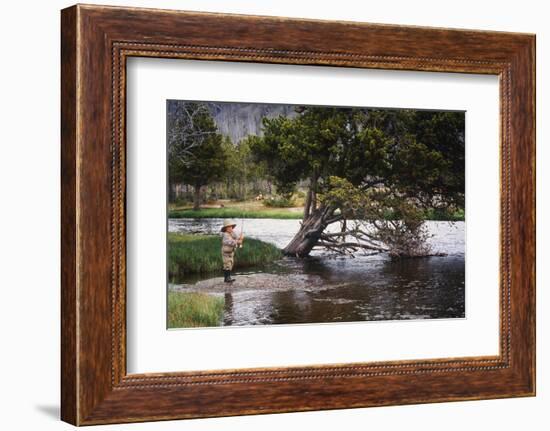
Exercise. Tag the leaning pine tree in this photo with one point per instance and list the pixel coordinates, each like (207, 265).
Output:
(375, 172)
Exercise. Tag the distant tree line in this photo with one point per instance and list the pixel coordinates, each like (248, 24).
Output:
(203, 163)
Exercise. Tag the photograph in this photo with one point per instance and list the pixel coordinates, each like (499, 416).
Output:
(297, 214)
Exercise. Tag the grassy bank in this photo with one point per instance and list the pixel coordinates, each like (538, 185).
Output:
(194, 310)
(284, 213)
(236, 213)
(188, 254)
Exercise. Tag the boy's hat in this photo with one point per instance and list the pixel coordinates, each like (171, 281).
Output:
(227, 223)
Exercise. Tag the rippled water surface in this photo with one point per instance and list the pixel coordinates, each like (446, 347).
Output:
(353, 289)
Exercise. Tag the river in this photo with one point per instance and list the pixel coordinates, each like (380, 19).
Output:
(355, 289)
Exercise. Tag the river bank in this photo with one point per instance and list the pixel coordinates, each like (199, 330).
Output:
(194, 310)
(201, 253)
(256, 281)
(237, 213)
(257, 210)
(204, 303)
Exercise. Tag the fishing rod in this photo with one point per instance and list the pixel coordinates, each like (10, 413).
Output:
(242, 231)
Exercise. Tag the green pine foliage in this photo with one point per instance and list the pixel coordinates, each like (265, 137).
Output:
(418, 153)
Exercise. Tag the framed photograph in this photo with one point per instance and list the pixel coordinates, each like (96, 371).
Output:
(264, 214)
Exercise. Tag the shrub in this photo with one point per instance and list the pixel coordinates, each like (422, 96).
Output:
(279, 202)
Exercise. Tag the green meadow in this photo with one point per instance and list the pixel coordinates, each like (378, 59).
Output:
(236, 213)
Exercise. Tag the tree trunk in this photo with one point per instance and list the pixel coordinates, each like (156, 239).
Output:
(171, 192)
(311, 197)
(197, 198)
(310, 231)
(307, 205)
(242, 190)
(313, 188)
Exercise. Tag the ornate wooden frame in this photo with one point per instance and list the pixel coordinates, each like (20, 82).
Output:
(95, 43)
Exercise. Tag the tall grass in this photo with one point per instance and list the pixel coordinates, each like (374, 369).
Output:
(188, 254)
(279, 213)
(193, 310)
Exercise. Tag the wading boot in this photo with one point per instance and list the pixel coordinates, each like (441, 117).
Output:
(227, 276)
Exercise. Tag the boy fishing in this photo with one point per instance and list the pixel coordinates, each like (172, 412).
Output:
(230, 241)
